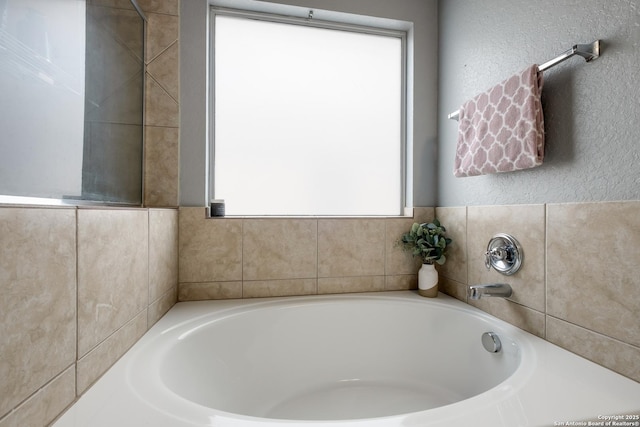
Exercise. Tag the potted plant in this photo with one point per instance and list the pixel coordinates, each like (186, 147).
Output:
(427, 241)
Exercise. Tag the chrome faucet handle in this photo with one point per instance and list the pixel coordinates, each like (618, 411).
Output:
(496, 254)
(504, 253)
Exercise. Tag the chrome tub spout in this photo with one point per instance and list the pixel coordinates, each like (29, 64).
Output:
(501, 290)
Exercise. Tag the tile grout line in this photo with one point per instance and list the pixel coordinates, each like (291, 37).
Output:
(77, 277)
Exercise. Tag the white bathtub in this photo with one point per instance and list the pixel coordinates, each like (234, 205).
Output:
(384, 359)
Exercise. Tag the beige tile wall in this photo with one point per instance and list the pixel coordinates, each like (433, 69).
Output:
(245, 258)
(37, 308)
(162, 103)
(79, 286)
(162, 97)
(579, 286)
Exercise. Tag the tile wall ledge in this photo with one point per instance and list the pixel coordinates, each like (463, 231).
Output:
(414, 213)
(34, 206)
(83, 207)
(44, 202)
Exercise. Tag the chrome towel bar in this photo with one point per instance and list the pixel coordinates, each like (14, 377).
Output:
(588, 51)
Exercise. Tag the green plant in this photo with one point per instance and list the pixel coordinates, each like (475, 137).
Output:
(428, 241)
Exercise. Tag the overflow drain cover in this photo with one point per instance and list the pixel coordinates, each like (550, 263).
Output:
(491, 342)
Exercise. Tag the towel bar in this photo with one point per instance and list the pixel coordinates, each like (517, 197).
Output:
(588, 51)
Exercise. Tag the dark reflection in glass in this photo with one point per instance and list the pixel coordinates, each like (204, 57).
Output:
(113, 128)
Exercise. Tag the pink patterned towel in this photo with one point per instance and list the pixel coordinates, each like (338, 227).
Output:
(502, 129)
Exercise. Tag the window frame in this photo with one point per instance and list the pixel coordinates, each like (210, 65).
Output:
(332, 20)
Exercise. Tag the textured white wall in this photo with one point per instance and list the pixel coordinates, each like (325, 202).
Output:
(592, 110)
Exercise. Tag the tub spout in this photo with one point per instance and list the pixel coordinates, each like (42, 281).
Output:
(501, 290)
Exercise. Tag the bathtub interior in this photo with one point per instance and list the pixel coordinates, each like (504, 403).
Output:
(333, 359)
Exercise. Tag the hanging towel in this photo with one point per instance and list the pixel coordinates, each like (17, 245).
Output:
(502, 129)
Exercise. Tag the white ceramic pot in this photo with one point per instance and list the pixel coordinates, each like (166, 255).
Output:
(428, 281)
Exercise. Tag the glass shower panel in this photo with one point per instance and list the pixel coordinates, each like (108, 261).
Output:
(42, 55)
(71, 111)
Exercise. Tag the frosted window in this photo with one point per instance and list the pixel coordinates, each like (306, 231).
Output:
(307, 121)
